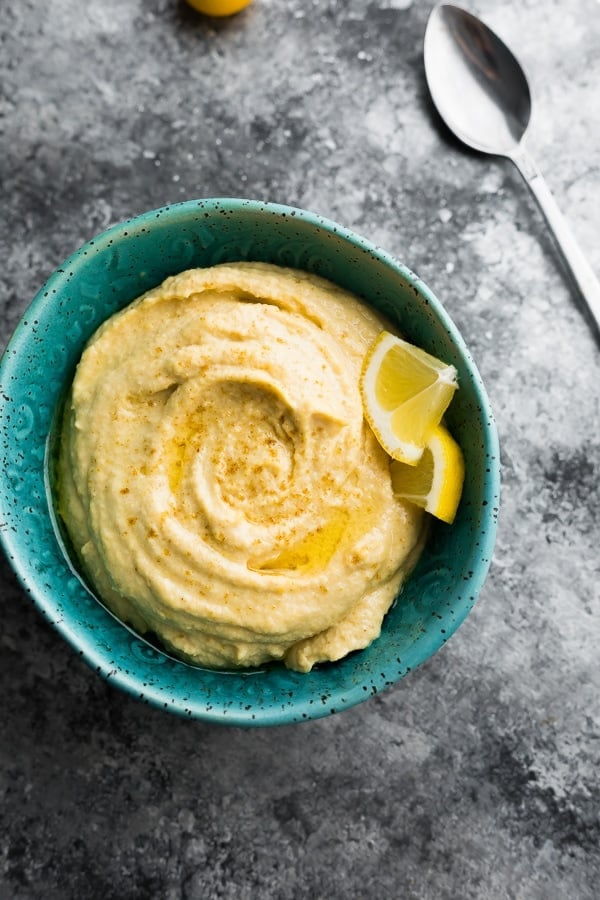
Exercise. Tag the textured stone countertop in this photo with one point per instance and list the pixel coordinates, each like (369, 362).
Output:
(478, 775)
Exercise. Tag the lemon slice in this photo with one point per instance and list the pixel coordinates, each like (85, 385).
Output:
(219, 7)
(405, 392)
(435, 483)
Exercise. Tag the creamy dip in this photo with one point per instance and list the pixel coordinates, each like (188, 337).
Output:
(217, 477)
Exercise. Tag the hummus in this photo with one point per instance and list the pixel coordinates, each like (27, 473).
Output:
(216, 475)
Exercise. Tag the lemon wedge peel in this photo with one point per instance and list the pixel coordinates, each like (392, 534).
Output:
(436, 482)
(405, 393)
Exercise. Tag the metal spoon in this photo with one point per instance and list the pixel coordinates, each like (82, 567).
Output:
(482, 94)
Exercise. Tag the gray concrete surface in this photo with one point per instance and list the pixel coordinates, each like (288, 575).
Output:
(477, 776)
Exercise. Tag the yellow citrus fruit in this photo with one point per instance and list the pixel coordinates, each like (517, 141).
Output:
(405, 392)
(219, 7)
(436, 482)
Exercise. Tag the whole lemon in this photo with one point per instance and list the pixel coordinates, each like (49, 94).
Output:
(219, 7)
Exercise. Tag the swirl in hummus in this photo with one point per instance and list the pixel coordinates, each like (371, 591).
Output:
(216, 475)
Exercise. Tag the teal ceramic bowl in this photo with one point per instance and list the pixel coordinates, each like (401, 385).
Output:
(109, 272)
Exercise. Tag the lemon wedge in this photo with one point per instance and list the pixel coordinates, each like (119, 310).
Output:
(405, 392)
(219, 7)
(436, 482)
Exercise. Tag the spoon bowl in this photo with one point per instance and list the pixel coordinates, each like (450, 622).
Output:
(463, 58)
(483, 96)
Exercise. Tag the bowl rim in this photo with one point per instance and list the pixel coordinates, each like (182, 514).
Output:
(96, 656)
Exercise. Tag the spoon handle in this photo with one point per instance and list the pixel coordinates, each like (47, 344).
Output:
(579, 268)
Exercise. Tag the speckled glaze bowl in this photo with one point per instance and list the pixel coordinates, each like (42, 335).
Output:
(109, 272)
